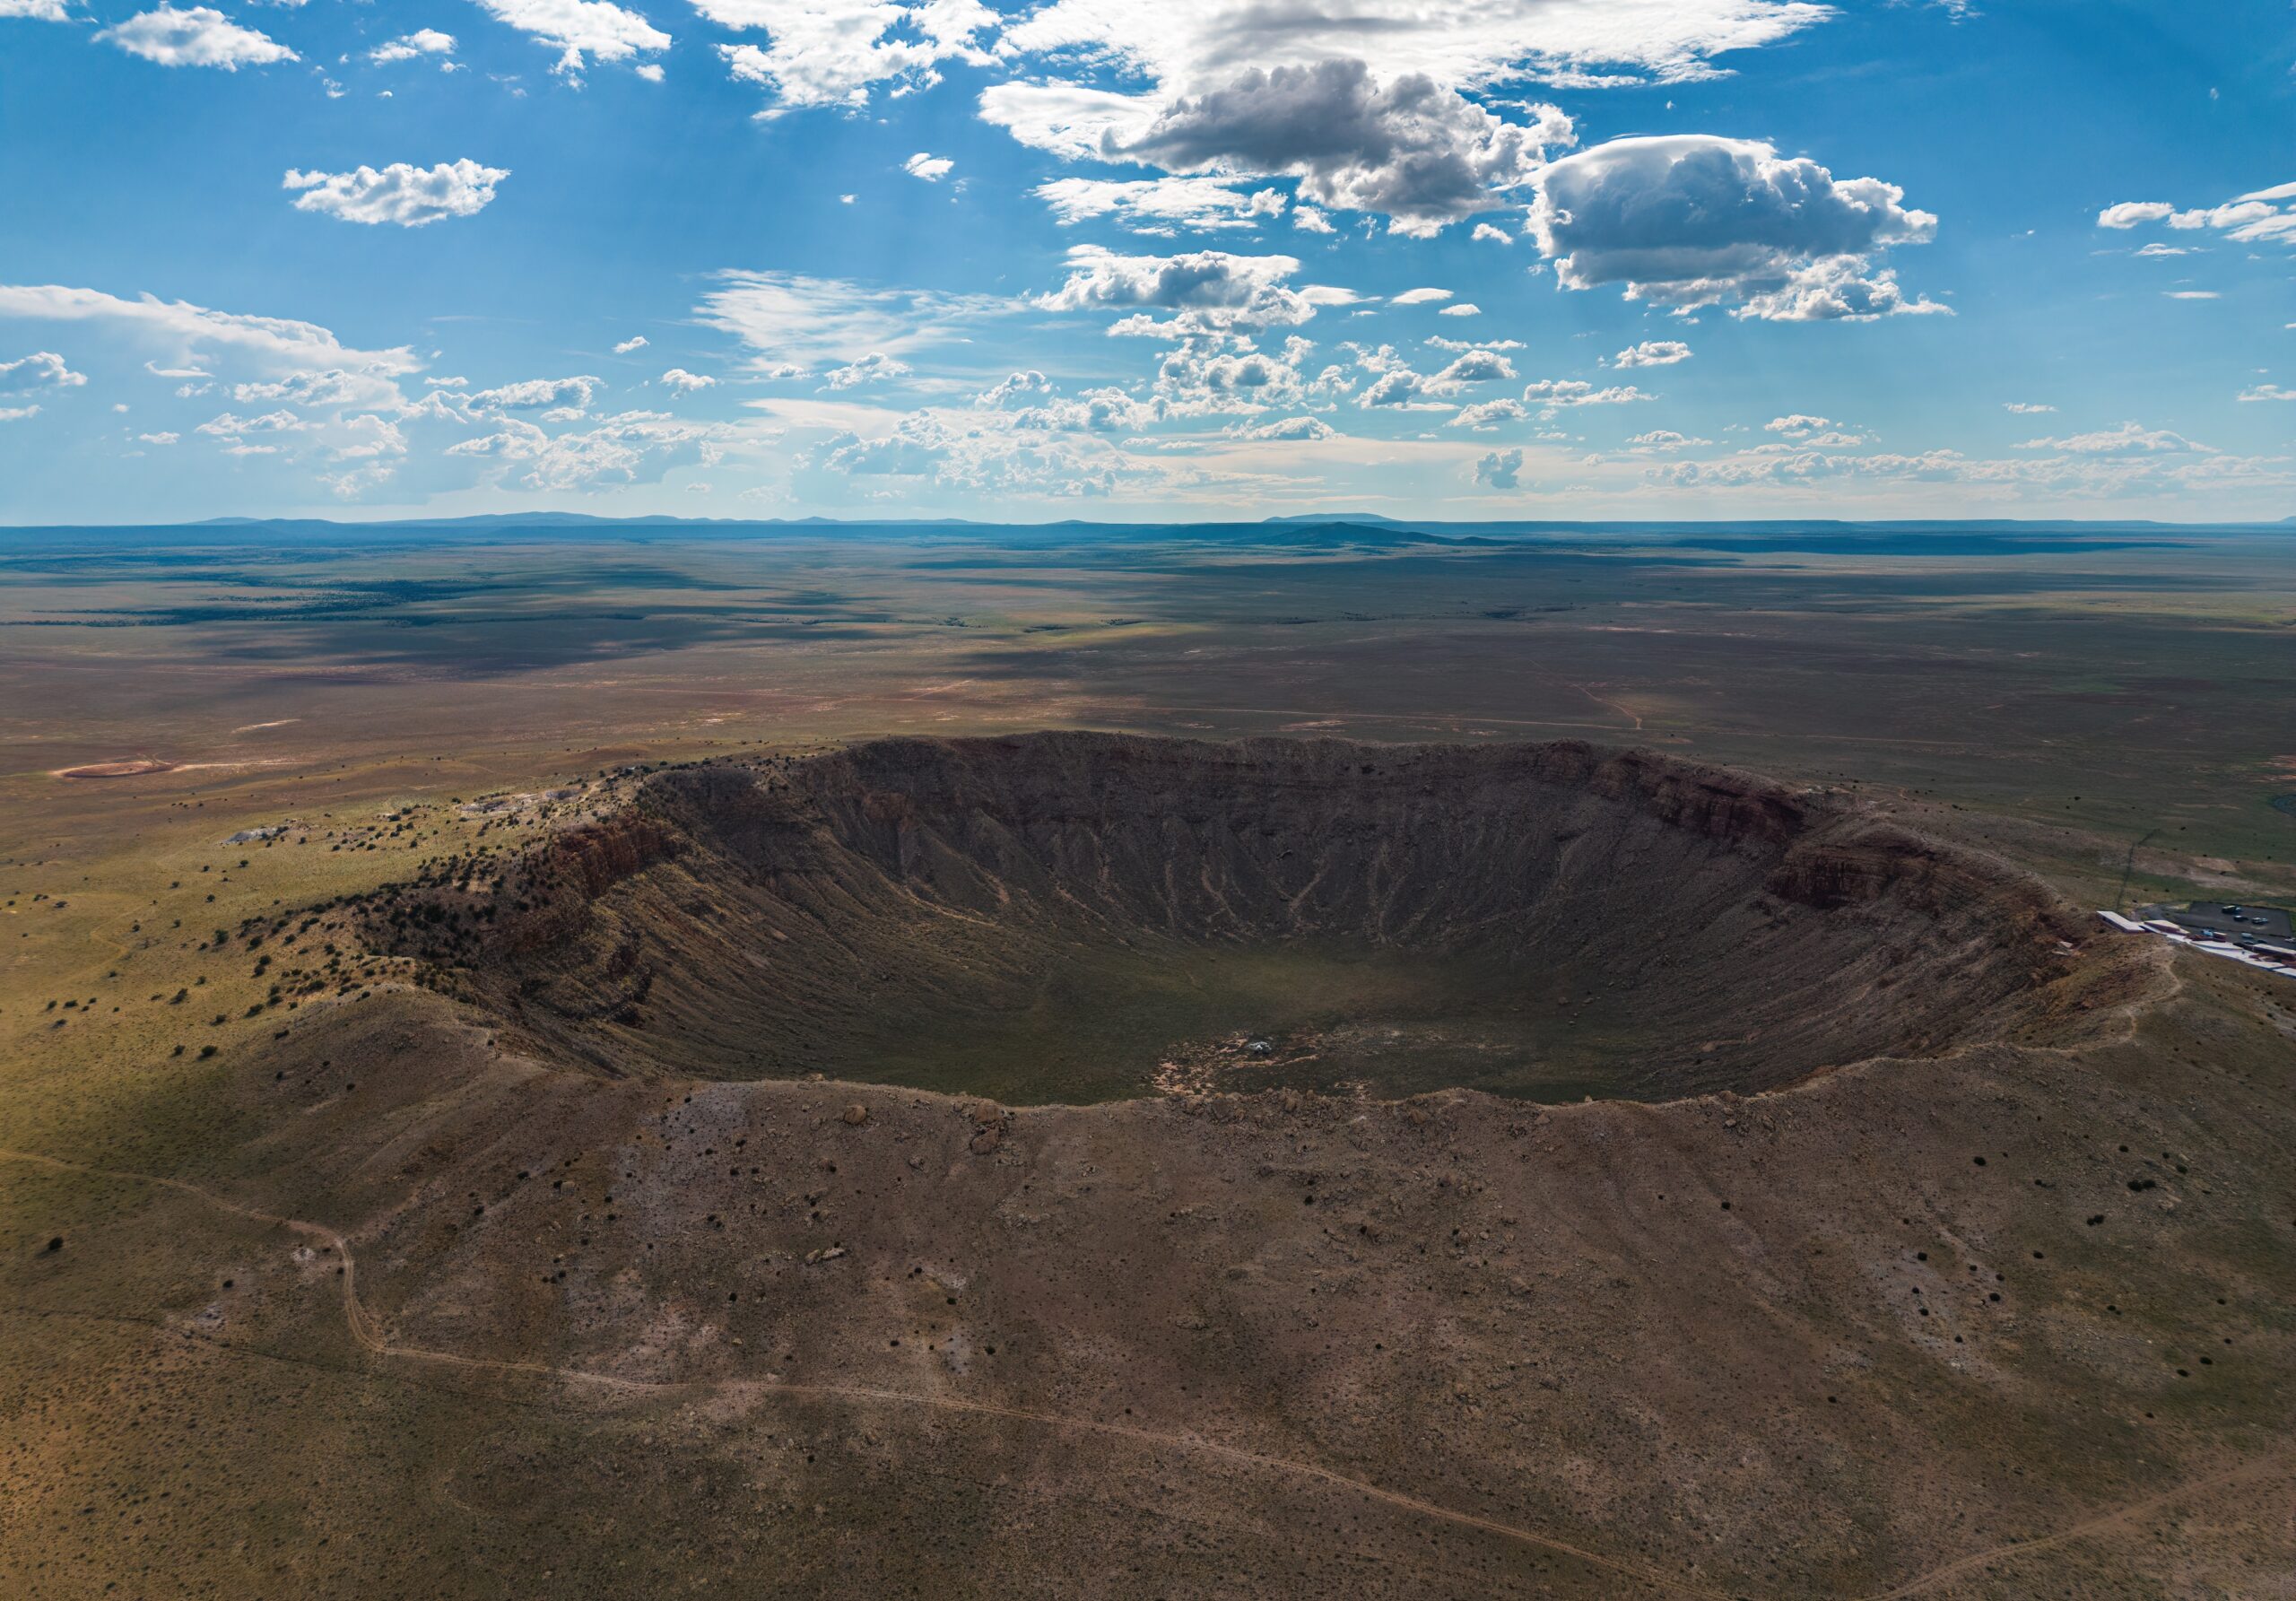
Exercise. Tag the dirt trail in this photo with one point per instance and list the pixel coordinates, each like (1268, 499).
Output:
(2129, 1517)
(368, 1336)
(367, 1332)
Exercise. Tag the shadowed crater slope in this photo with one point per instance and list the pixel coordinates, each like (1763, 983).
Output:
(1070, 917)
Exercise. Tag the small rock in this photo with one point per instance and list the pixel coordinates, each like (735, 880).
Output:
(856, 1115)
(990, 1123)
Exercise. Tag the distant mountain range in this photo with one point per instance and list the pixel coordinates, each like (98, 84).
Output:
(578, 519)
(583, 519)
(1292, 528)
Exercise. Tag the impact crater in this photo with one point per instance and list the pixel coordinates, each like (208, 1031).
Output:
(1076, 918)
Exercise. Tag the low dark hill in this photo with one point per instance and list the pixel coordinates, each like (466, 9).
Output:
(1076, 917)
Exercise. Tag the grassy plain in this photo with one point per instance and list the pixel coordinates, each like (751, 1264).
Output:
(2089, 700)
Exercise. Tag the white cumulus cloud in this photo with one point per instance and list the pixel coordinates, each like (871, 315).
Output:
(614, 449)
(1296, 431)
(1693, 220)
(1479, 365)
(42, 369)
(1499, 469)
(332, 387)
(1414, 150)
(534, 394)
(833, 52)
(229, 426)
(1489, 414)
(198, 36)
(1550, 392)
(2128, 440)
(581, 30)
(2128, 213)
(1469, 42)
(1210, 290)
(1014, 387)
(422, 41)
(1652, 352)
(410, 197)
(1370, 106)
(873, 368)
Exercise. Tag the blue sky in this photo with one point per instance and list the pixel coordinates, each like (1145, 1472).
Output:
(1125, 259)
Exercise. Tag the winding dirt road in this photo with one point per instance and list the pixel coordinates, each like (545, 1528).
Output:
(367, 1333)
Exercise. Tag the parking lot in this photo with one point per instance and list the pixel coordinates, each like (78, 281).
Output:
(2268, 923)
